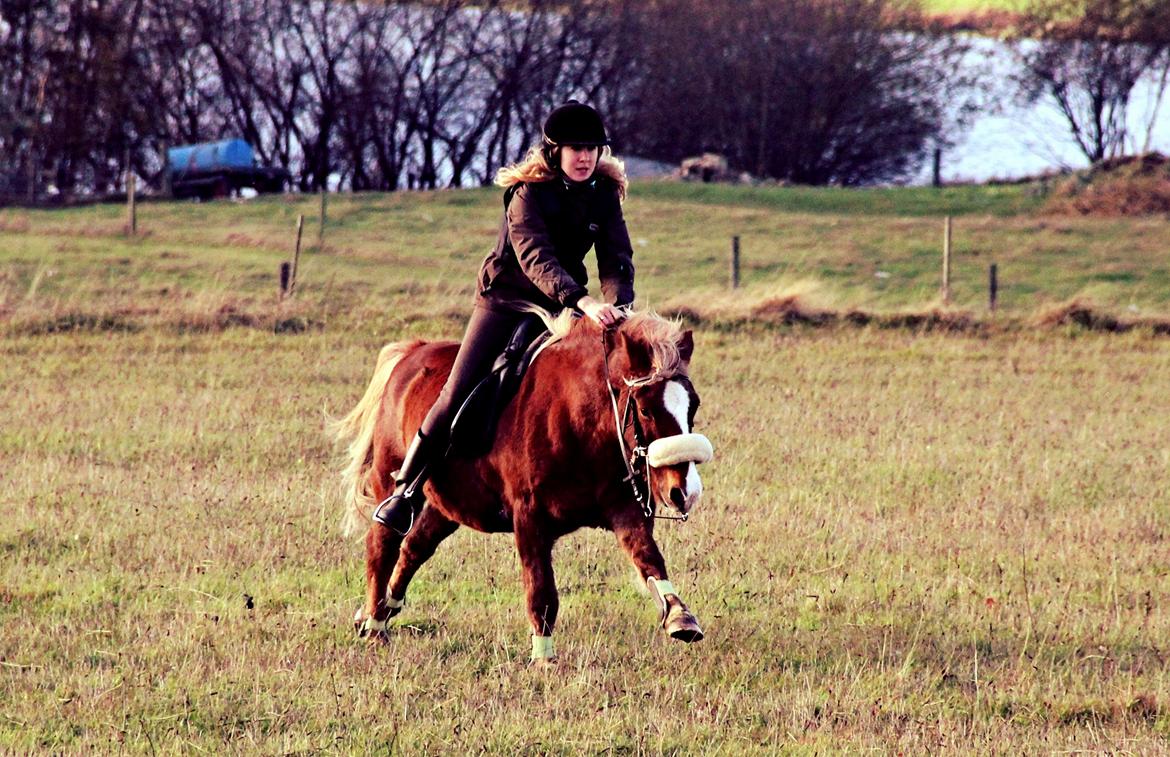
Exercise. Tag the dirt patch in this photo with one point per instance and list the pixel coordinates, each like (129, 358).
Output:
(1084, 315)
(791, 311)
(84, 322)
(277, 319)
(1133, 186)
(14, 224)
(236, 239)
(992, 23)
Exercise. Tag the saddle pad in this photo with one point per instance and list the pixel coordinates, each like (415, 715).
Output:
(473, 431)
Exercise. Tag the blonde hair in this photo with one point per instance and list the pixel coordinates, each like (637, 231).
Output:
(535, 168)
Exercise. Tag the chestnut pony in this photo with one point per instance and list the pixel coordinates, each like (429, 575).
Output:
(556, 465)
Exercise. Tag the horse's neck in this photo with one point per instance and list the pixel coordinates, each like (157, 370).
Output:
(574, 375)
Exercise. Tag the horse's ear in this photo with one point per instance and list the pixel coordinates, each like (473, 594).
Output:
(638, 359)
(686, 346)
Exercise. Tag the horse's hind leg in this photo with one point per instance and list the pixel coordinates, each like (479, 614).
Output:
(637, 540)
(382, 547)
(386, 551)
(429, 530)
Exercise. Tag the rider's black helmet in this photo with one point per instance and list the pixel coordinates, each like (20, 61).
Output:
(574, 123)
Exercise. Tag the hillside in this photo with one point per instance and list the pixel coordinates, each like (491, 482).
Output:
(213, 265)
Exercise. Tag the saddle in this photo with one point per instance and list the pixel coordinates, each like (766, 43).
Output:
(473, 431)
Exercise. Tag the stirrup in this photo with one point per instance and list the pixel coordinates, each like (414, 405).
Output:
(405, 499)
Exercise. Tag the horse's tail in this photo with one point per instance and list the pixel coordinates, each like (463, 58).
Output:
(357, 431)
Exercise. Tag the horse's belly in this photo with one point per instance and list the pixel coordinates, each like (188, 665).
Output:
(463, 497)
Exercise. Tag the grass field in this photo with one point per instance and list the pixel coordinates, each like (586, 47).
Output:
(971, 6)
(910, 541)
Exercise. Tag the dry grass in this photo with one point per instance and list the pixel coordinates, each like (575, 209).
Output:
(911, 541)
(1137, 186)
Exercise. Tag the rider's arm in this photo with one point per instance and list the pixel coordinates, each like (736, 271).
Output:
(615, 256)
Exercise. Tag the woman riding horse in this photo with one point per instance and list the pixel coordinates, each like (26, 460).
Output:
(562, 199)
(565, 457)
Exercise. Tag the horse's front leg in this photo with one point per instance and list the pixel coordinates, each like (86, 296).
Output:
(535, 549)
(637, 539)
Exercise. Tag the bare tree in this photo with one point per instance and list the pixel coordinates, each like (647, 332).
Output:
(810, 91)
(1086, 57)
(374, 94)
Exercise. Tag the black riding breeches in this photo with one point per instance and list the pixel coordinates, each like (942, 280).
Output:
(487, 335)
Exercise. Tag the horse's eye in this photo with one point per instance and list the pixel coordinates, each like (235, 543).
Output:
(643, 412)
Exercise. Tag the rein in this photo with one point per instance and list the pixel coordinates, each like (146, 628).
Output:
(637, 455)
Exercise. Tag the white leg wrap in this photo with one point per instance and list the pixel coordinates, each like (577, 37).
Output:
(542, 648)
(659, 588)
(375, 626)
(394, 604)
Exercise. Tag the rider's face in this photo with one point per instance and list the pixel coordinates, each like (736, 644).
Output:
(579, 161)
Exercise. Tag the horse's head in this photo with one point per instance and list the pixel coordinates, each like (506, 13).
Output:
(650, 360)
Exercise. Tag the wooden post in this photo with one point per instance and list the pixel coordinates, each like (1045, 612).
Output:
(32, 174)
(946, 272)
(34, 167)
(131, 205)
(168, 185)
(321, 224)
(285, 270)
(936, 173)
(292, 282)
(993, 287)
(735, 262)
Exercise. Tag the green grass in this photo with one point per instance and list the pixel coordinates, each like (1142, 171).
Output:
(874, 249)
(909, 542)
(968, 6)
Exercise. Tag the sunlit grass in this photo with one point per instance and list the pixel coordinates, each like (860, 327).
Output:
(962, 6)
(909, 542)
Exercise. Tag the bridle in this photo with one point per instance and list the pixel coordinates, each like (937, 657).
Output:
(634, 456)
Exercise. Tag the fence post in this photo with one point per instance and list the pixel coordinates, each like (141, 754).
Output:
(735, 262)
(131, 204)
(285, 270)
(168, 185)
(946, 272)
(321, 224)
(993, 287)
(296, 254)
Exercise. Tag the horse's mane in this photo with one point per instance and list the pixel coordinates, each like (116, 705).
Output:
(659, 335)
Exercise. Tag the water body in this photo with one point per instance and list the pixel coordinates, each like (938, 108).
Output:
(1018, 139)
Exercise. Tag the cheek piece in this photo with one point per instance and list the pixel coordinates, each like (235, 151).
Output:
(680, 448)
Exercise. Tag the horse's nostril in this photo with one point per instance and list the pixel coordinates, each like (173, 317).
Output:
(677, 498)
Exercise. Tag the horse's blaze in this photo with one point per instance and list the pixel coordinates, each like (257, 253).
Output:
(681, 486)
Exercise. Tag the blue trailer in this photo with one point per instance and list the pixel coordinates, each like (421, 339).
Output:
(220, 169)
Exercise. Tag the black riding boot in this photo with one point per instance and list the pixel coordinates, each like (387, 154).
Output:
(398, 511)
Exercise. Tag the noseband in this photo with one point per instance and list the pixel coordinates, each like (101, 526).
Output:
(636, 456)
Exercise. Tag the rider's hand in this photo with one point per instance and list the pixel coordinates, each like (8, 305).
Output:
(605, 315)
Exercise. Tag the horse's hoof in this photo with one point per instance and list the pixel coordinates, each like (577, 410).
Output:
(367, 627)
(681, 625)
(543, 663)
